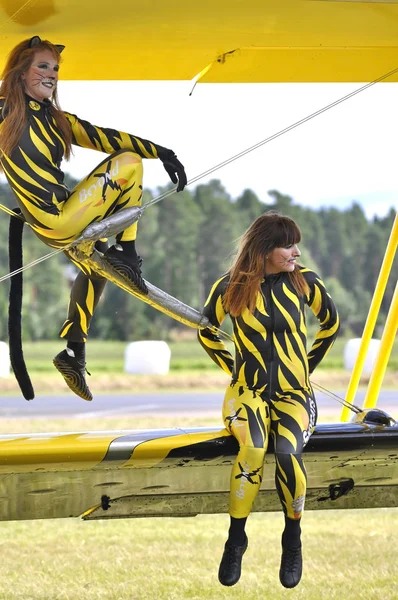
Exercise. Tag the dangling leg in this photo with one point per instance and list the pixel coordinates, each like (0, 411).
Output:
(293, 418)
(71, 362)
(84, 297)
(246, 416)
(114, 184)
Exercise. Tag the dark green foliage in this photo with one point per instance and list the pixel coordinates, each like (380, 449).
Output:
(187, 241)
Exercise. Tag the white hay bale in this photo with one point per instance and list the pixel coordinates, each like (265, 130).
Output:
(351, 352)
(147, 358)
(4, 360)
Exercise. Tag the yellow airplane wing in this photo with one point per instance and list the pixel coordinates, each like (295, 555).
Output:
(223, 40)
(183, 472)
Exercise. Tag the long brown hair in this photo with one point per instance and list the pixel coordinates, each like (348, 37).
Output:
(267, 232)
(12, 89)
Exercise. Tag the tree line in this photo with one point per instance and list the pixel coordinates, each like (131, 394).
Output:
(187, 241)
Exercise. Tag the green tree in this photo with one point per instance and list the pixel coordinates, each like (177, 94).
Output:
(333, 223)
(249, 207)
(187, 242)
(218, 233)
(373, 257)
(282, 203)
(344, 301)
(175, 254)
(312, 231)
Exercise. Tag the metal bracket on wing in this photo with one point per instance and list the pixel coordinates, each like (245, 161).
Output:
(84, 252)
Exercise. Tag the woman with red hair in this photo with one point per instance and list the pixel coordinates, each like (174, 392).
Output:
(265, 293)
(35, 135)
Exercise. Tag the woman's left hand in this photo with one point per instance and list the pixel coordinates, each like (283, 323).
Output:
(175, 169)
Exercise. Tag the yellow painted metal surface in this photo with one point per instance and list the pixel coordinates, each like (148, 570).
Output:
(372, 317)
(383, 356)
(182, 472)
(154, 451)
(61, 450)
(39, 452)
(244, 41)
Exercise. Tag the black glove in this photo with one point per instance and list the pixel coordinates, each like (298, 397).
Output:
(174, 168)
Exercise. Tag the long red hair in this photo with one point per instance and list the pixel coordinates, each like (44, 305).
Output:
(267, 232)
(12, 89)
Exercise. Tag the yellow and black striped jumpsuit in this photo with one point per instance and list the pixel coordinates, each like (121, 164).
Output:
(58, 215)
(270, 391)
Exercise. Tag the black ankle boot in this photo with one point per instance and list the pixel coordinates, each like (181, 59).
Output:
(74, 373)
(291, 566)
(231, 563)
(126, 266)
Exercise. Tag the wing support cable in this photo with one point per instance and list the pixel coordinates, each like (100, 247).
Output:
(275, 135)
(222, 164)
(332, 395)
(112, 225)
(225, 162)
(83, 252)
(21, 9)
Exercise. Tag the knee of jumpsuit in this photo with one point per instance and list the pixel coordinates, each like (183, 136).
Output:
(131, 158)
(246, 478)
(125, 161)
(115, 183)
(127, 157)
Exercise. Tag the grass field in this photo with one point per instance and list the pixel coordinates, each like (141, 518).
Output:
(185, 355)
(190, 369)
(348, 555)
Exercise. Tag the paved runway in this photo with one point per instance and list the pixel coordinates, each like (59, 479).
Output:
(144, 404)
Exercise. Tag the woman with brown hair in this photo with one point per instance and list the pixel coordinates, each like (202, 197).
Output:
(265, 293)
(35, 135)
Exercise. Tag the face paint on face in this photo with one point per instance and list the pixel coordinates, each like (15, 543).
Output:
(282, 259)
(40, 80)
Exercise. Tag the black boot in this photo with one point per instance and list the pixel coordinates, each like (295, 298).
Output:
(231, 562)
(73, 370)
(291, 566)
(126, 266)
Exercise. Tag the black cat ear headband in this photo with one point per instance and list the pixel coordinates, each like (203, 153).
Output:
(35, 41)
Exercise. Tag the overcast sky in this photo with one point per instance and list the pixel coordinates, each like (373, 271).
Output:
(348, 153)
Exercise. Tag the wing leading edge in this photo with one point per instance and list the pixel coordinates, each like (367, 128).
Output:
(183, 472)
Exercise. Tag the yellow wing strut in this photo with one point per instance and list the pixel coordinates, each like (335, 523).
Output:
(371, 322)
